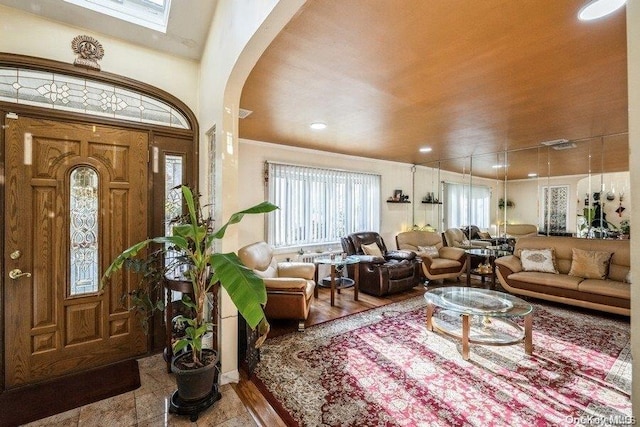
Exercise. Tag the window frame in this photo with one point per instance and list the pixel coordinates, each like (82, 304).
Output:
(470, 212)
(328, 212)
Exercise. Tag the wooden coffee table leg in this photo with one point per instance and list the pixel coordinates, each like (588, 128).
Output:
(430, 308)
(465, 336)
(528, 332)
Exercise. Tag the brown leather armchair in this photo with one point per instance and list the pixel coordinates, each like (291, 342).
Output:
(394, 271)
(289, 285)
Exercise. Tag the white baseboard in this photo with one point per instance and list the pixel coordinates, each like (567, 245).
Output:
(230, 377)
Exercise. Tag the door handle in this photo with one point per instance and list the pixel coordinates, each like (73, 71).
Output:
(16, 273)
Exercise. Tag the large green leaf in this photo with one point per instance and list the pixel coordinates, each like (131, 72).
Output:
(132, 251)
(188, 197)
(264, 207)
(245, 288)
(195, 241)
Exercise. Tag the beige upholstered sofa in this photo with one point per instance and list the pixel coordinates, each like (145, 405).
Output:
(290, 285)
(442, 263)
(611, 294)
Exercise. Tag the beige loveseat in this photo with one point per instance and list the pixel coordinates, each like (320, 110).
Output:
(438, 261)
(611, 294)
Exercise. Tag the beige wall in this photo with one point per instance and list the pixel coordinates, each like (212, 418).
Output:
(240, 31)
(395, 217)
(633, 66)
(526, 196)
(253, 154)
(26, 34)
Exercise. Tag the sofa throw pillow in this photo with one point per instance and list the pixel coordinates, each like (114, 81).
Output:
(484, 235)
(466, 242)
(627, 278)
(590, 264)
(430, 251)
(542, 260)
(372, 249)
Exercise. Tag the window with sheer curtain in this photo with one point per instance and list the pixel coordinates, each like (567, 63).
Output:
(466, 205)
(319, 206)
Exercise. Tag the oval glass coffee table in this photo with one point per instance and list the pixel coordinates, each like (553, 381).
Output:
(479, 316)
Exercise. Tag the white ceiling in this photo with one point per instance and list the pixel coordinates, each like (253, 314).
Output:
(187, 29)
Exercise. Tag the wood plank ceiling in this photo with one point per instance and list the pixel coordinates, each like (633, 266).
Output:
(464, 77)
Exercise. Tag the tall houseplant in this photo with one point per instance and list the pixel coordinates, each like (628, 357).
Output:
(194, 241)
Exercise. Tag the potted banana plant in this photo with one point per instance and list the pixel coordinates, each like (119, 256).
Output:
(205, 268)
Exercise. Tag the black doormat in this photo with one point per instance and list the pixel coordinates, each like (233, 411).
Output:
(42, 400)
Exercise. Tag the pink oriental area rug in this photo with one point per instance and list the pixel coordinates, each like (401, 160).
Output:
(382, 368)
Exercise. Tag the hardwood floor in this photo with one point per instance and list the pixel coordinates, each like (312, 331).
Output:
(321, 311)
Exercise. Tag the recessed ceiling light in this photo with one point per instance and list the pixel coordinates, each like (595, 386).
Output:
(497, 166)
(598, 8)
(532, 175)
(318, 125)
(425, 149)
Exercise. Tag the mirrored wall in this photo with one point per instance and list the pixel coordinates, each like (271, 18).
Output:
(571, 188)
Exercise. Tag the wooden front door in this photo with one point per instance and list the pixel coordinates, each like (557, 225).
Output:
(76, 195)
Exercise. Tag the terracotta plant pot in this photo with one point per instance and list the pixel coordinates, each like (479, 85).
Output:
(195, 384)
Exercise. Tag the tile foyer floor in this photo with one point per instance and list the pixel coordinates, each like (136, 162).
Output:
(149, 405)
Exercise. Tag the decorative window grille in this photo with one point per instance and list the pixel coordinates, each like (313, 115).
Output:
(466, 205)
(83, 226)
(319, 206)
(173, 203)
(555, 208)
(63, 92)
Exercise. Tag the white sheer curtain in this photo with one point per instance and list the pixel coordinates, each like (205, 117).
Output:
(466, 205)
(319, 206)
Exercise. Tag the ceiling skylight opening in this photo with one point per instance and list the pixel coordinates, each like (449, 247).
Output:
(425, 149)
(318, 126)
(153, 14)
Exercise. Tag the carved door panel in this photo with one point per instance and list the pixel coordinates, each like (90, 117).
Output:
(76, 195)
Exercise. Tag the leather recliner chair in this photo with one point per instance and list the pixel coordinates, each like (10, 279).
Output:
(394, 271)
(290, 285)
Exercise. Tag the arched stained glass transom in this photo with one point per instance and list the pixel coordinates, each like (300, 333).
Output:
(80, 95)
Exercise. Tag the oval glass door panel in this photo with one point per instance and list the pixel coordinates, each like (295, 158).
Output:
(83, 228)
